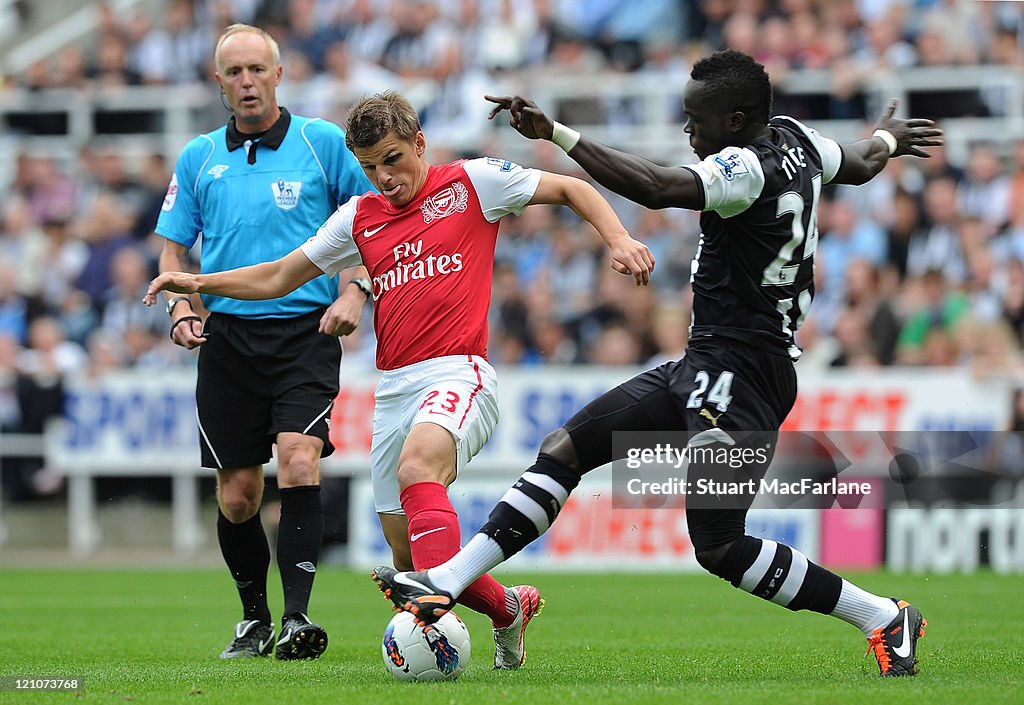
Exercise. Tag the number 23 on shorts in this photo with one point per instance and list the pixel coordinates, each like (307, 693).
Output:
(442, 401)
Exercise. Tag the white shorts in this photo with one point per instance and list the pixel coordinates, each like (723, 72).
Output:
(457, 392)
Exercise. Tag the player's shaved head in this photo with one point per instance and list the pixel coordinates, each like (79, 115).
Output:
(375, 117)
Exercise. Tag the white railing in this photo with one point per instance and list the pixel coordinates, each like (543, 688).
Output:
(652, 129)
(17, 445)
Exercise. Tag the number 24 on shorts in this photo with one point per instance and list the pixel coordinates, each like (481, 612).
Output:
(719, 395)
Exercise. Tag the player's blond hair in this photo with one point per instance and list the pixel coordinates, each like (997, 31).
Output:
(373, 118)
(239, 28)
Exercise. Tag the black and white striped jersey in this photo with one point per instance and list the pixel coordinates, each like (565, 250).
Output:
(753, 274)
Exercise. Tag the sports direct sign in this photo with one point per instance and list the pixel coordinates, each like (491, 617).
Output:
(133, 422)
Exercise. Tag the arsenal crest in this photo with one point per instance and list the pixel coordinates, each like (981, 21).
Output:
(442, 204)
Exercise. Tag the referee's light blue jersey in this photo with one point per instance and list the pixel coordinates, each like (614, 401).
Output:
(247, 213)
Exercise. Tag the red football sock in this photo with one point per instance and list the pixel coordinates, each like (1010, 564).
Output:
(434, 537)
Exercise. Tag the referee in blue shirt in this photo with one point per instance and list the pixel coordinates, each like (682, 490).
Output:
(268, 370)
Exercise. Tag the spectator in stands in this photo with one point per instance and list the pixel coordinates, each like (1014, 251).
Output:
(616, 345)
(106, 354)
(933, 310)
(885, 48)
(105, 228)
(936, 246)
(367, 29)
(524, 242)
(554, 343)
(984, 192)
(49, 191)
(308, 32)
(569, 268)
(152, 186)
(174, 53)
(670, 328)
(1012, 304)
(72, 68)
(419, 47)
(140, 328)
(996, 352)
(986, 279)
(867, 294)
(854, 341)
(27, 402)
(110, 70)
(906, 219)
(14, 307)
(509, 310)
(844, 238)
(49, 354)
(24, 242)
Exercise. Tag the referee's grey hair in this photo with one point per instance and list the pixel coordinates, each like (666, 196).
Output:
(373, 118)
(239, 28)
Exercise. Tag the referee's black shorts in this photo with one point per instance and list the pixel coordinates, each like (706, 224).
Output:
(261, 377)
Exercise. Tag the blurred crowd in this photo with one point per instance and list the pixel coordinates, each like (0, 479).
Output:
(923, 266)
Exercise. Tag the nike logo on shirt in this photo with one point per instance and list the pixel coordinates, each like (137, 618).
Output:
(413, 537)
(367, 232)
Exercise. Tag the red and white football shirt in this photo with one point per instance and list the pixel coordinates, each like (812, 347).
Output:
(432, 260)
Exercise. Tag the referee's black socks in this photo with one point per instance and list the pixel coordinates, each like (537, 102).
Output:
(247, 554)
(299, 538)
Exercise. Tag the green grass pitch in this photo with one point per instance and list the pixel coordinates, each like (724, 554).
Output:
(152, 636)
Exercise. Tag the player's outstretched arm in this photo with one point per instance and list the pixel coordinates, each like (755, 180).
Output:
(893, 137)
(268, 280)
(638, 179)
(629, 256)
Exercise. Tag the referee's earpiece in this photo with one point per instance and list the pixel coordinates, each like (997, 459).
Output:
(224, 102)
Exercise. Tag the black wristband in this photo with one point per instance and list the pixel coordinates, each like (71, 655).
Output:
(183, 318)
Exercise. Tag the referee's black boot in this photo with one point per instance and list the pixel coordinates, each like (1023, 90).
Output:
(300, 638)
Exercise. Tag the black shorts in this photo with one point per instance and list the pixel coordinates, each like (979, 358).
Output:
(721, 385)
(732, 386)
(717, 389)
(261, 377)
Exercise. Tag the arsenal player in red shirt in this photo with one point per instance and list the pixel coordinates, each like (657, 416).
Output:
(427, 239)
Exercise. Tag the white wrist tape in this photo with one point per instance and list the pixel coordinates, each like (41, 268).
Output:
(886, 136)
(564, 137)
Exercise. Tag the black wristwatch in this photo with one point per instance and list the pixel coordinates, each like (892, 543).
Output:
(171, 303)
(365, 286)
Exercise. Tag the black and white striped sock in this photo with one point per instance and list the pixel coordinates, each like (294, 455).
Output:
(780, 574)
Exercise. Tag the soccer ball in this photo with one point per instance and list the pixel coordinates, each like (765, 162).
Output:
(441, 652)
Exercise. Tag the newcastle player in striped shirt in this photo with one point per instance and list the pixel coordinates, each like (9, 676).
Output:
(757, 185)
